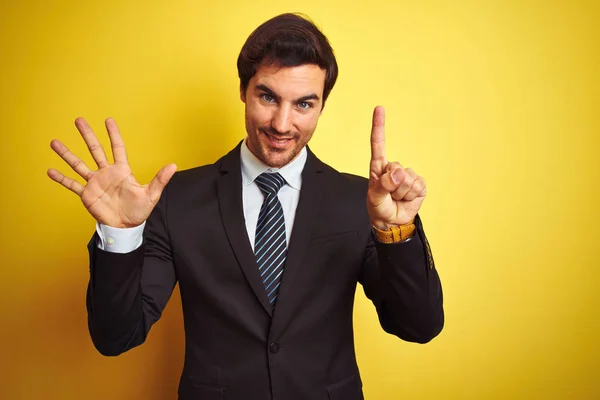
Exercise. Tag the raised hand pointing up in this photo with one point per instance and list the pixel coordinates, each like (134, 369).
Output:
(111, 195)
(395, 193)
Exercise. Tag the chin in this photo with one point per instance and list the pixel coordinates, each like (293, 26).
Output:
(270, 155)
(277, 160)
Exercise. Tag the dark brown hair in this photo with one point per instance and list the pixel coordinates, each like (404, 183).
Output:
(287, 40)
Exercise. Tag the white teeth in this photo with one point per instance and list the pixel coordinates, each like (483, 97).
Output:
(277, 140)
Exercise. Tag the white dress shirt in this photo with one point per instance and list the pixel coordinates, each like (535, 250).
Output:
(125, 240)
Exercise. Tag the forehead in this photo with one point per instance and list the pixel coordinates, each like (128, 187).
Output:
(292, 82)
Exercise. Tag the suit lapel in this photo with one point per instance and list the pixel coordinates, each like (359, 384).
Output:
(229, 192)
(306, 212)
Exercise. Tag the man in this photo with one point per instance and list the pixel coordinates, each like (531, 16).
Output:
(267, 244)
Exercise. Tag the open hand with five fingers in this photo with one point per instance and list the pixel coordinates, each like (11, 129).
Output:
(112, 195)
(395, 193)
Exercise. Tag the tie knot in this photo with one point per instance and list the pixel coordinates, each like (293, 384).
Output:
(270, 183)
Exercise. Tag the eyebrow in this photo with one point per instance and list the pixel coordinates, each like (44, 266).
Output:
(266, 89)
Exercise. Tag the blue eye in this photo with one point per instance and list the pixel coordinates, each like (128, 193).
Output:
(304, 105)
(267, 97)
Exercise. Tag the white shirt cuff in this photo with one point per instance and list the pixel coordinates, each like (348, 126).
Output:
(119, 240)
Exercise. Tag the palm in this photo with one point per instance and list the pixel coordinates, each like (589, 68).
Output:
(112, 195)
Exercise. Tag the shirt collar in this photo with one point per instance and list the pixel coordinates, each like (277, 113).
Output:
(252, 167)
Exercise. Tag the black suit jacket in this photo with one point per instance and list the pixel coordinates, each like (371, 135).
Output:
(237, 348)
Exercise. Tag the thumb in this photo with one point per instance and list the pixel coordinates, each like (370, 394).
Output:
(386, 184)
(156, 186)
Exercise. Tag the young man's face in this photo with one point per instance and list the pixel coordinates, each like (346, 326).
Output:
(283, 106)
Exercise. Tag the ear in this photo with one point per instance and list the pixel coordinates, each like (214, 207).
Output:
(242, 93)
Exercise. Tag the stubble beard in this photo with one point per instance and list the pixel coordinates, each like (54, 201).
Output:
(274, 158)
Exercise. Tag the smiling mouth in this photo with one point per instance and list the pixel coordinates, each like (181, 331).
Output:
(278, 140)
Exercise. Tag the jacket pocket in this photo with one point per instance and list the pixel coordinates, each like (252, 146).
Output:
(347, 389)
(332, 238)
(195, 391)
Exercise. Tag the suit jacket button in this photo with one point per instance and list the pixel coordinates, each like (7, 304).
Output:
(274, 348)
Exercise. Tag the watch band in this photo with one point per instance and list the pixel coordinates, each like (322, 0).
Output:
(395, 234)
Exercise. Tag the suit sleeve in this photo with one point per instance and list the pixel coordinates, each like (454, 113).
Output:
(128, 292)
(402, 282)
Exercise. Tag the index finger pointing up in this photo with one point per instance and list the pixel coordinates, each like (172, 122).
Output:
(378, 134)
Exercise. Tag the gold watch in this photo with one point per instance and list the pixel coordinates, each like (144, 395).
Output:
(395, 234)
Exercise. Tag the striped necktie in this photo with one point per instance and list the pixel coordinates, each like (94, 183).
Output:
(270, 247)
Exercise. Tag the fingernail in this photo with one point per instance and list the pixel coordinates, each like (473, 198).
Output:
(397, 175)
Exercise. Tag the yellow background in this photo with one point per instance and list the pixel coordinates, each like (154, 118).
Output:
(495, 103)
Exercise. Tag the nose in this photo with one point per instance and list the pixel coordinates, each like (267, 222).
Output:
(282, 119)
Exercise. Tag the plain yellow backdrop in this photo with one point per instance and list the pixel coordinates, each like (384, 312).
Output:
(495, 103)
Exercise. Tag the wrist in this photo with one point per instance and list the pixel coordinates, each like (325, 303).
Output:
(388, 233)
(382, 225)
